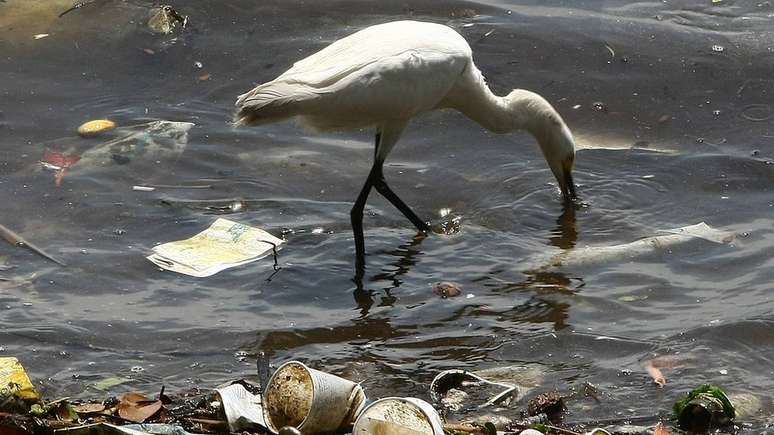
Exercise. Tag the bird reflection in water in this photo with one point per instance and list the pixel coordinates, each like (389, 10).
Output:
(405, 258)
(564, 236)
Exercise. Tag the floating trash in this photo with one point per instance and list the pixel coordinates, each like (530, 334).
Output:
(718, 48)
(244, 410)
(95, 127)
(223, 245)
(399, 416)
(457, 389)
(550, 403)
(14, 380)
(447, 289)
(589, 255)
(148, 141)
(310, 400)
(59, 162)
(704, 407)
(164, 19)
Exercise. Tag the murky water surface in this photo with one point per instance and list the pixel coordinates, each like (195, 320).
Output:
(671, 102)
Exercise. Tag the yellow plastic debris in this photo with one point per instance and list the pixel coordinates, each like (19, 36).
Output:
(14, 380)
(95, 127)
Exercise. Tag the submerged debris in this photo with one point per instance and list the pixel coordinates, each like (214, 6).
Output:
(705, 407)
(550, 403)
(163, 19)
(446, 289)
(17, 240)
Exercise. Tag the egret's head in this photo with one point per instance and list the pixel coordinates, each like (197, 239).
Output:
(558, 148)
(533, 113)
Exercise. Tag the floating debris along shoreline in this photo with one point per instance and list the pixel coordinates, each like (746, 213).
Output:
(298, 399)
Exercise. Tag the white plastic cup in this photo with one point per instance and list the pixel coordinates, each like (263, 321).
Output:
(310, 400)
(399, 416)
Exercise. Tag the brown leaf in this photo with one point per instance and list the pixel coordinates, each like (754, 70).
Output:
(87, 408)
(135, 407)
(204, 77)
(133, 397)
(656, 374)
(660, 429)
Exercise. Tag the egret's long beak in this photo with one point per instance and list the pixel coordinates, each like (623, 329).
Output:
(566, 183)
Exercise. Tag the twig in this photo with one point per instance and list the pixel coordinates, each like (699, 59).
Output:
(262, 365)
(462, 427)
(77, 5)
(561, 430)
(610, 49)
(17, 240)
(178, 186)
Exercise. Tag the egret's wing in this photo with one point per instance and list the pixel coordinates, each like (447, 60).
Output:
(359, 50)
(340, 64)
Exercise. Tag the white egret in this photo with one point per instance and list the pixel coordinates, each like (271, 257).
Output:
(384, 75)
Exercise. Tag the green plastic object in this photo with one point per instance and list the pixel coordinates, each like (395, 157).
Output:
(704, 407)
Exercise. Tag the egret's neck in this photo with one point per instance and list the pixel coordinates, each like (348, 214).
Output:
(487, 109)
(519, 110)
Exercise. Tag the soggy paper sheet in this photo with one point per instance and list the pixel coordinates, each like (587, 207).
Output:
(223, 245)
(244, 410)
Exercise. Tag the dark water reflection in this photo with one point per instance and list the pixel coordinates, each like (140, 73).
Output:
(674, 132)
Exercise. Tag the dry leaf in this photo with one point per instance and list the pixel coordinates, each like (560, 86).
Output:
(660, 429)
(204, 77)
(135, 407)
(656, 374)
(87, 408)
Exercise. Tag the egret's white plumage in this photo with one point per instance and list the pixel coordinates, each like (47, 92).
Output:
(384, 75)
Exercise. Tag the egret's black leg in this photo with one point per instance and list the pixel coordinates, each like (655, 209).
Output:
(356, 216)
(381, 186)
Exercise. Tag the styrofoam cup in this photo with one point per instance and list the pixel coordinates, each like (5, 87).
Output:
(310, 400)
(399, 416)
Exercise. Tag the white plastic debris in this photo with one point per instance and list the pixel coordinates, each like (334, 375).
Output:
(243, 409)
(148, 141)
(588, 255)
(223, 245)
(473, 388)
